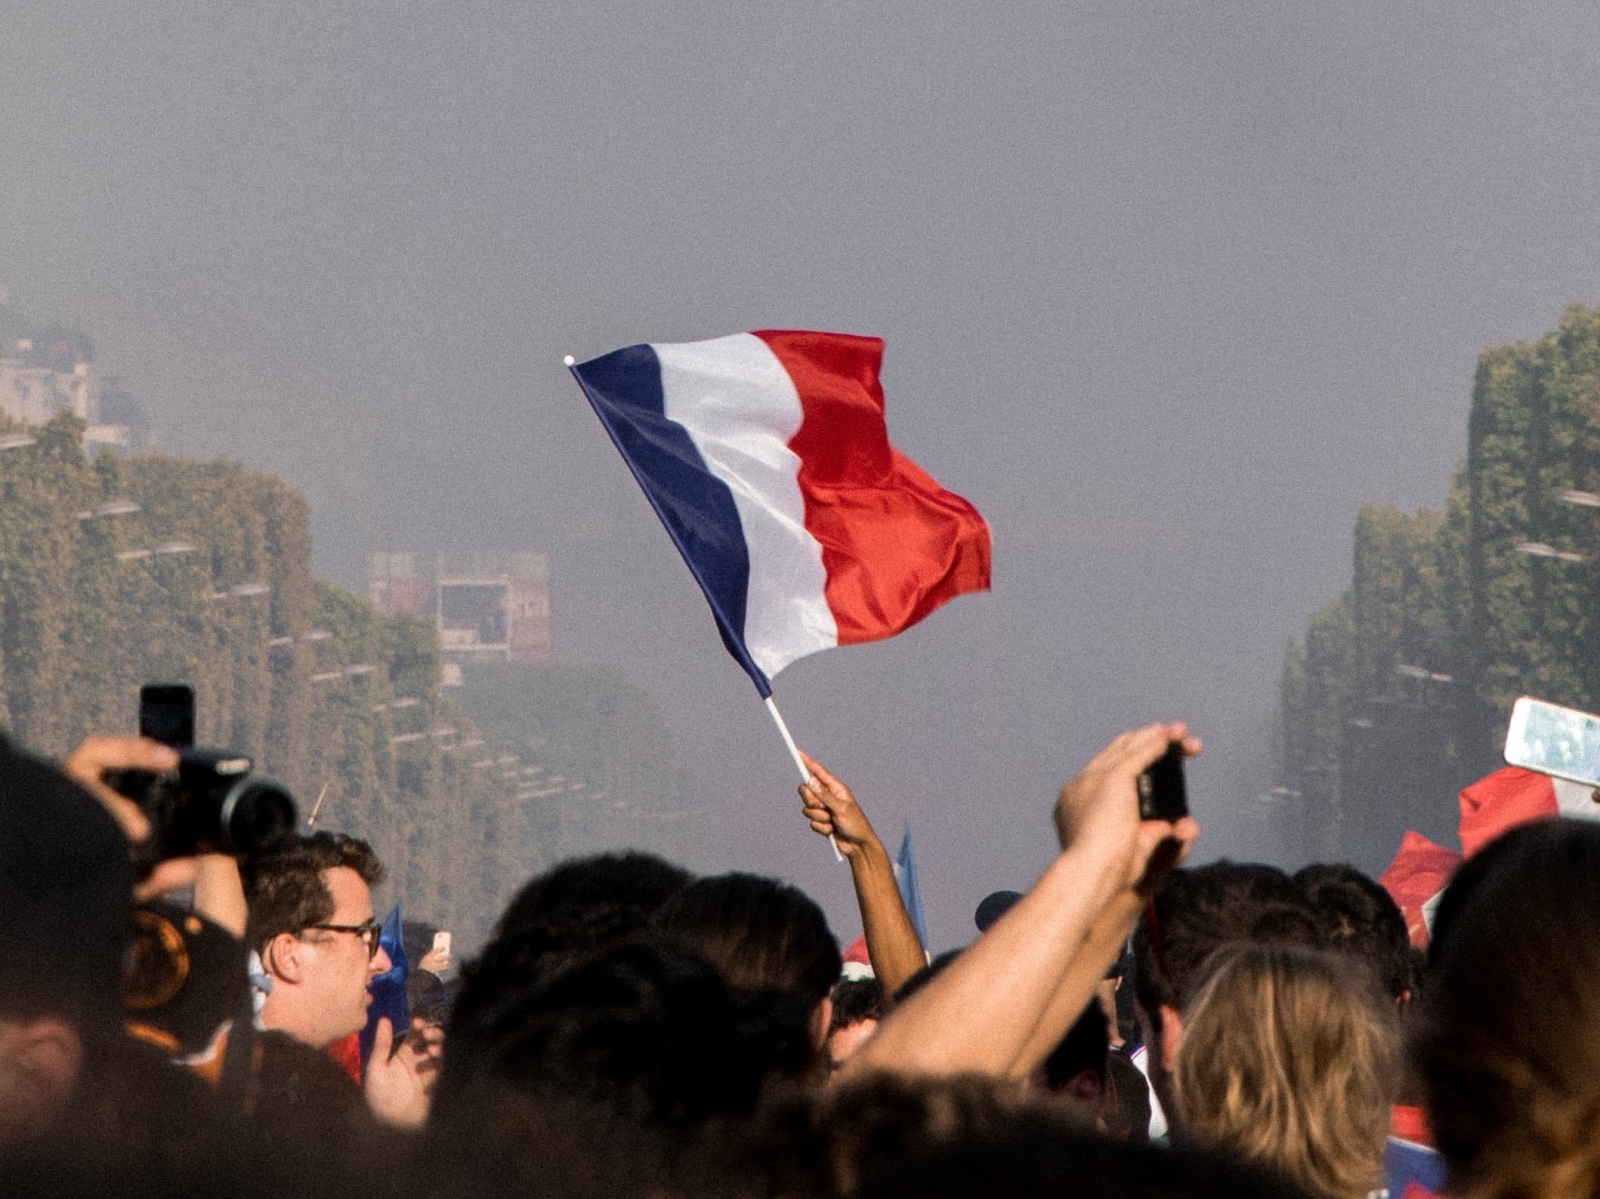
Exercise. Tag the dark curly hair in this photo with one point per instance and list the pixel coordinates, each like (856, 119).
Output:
(648, 1033)
(631, 879)
(855, 1000)
(1362, 921)
(286, 890)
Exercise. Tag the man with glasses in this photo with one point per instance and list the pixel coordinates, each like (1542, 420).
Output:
(313, 927)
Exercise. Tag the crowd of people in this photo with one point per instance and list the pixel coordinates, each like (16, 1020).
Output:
(1130, 1026)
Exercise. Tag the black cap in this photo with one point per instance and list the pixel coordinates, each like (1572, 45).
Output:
(993, 907)
(66, 888)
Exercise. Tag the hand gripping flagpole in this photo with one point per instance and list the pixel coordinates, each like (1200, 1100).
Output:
(794, 752)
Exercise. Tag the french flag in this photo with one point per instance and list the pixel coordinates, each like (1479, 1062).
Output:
(1416, 880)
(1512, 796)
(1493, 805)
(767, 458)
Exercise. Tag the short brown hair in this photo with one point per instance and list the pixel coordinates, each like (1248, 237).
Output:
(286, 890)
(758, 932)
(1197, 910)
(1290, 1059)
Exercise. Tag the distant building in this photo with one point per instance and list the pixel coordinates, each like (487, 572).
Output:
(484, 605)
(37, 384)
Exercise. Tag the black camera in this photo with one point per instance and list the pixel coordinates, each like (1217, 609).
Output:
(212, 804)
(1162, 795)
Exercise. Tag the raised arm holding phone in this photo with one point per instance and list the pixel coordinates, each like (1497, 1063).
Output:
(1004, 1003)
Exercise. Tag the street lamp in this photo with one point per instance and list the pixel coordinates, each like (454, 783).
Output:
(1422, 672)
(1539, 549)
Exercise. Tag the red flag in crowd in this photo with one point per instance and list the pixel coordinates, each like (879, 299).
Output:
(1514, 796)
(1491, 806)
(1416, 878)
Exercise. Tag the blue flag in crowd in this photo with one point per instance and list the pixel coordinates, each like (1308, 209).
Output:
(905, 877)
(389, 988)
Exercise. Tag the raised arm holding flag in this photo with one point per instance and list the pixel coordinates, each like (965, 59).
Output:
(895, 946)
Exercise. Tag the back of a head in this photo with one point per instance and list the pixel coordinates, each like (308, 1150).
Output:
(66, 887)
(1361, 920)
(1033, 1156)
(534, 952)
(647, 1033)
(822, 1141)
(634, 880)
(888, 1135)
(757, 931)
(1199, 910)
(1290, 1059)
(855, 1000)
(286, 890)
(1507, 1040)
(1083, 1048)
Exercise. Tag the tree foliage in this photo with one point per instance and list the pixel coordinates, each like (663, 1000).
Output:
(209, 583)
(1399, 694)
(591, 753)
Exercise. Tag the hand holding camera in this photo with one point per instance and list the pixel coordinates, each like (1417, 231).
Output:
(208, 801)
(214, 878)
(186, 811)
(102, 755)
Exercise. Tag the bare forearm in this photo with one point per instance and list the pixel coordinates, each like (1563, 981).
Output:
(219, 892)
(981, 1011)
(1076, 990)
(892, 942)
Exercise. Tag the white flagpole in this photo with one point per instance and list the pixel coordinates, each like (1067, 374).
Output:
(794, 752)
(311, 820)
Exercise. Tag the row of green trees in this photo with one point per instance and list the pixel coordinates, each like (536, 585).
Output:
(208, 582)
(1399, 693)
(592, 755)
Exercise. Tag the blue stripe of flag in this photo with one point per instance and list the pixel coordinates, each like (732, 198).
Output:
(696, 507)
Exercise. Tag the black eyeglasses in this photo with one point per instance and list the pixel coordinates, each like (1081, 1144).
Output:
(368, 932)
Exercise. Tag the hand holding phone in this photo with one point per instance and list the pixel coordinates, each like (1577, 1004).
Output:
(437, 959)
(1553, 740)
(1162, 794)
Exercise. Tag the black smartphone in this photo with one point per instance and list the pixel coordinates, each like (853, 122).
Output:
(1161, 791)
(166, 713)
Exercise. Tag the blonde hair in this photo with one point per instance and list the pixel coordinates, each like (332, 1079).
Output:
(1290, 1059)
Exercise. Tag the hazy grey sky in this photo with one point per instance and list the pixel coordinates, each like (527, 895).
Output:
(1169, 288)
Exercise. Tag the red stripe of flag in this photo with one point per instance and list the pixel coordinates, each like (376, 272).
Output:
(1416, 876)
(895, 544)
(1501, 801)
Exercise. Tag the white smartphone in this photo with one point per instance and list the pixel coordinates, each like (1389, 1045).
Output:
(441, 940)
(1553, 740)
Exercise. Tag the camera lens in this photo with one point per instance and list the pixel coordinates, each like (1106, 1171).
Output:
(256, 814)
